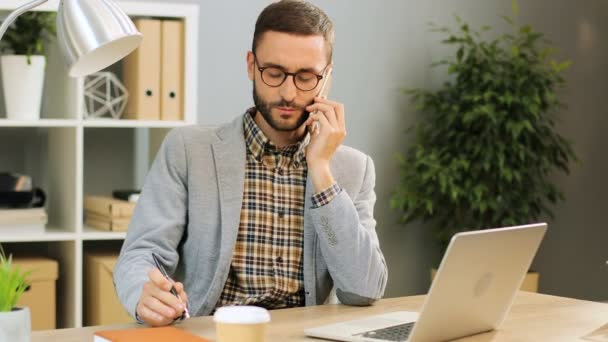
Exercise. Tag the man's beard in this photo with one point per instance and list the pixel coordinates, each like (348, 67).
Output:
(265, 108)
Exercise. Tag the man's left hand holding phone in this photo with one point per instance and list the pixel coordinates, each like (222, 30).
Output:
(157, 305)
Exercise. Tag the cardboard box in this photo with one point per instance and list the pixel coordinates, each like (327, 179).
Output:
(101, 304)
(41, 295)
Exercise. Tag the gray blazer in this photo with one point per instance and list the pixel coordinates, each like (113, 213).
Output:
(189, 212)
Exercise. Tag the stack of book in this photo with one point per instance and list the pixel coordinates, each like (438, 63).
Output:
(23, 221)
(107, 213)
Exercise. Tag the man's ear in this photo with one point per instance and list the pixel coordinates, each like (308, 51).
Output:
(250, 65)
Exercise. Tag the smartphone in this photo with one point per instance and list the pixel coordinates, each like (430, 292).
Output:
(323, 93)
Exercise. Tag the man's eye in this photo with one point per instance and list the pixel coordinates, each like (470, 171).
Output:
(274, 73)
(306, 77)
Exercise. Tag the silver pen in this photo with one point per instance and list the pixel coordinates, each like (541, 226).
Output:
(160, 267)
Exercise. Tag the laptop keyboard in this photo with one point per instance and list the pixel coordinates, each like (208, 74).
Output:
(395, 333)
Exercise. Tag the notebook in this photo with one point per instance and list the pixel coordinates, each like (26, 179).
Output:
(147, 335)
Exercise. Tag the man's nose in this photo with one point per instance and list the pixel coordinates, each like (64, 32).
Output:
(288, 89)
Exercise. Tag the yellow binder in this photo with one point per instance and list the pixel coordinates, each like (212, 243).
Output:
(172, 74)
(141, 73)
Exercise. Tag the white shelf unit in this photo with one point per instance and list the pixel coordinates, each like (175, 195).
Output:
(62, 152)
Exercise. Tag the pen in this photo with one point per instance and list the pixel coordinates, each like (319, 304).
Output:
(160, 267)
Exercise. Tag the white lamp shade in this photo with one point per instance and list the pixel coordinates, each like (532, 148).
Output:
(94, 34)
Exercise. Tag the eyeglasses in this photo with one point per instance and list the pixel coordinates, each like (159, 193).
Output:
(274, 76)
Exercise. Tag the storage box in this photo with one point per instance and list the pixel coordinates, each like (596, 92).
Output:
(40, 297)
(101, 304)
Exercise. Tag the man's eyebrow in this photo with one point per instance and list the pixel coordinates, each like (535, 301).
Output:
(313, 70)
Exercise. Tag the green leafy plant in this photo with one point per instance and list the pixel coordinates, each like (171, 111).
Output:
(29, 32)
(12, 283)
(486, 143)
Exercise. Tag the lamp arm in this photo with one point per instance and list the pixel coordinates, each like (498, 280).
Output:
(16, 13)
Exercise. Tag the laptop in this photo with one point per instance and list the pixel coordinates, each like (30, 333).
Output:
(473, 290)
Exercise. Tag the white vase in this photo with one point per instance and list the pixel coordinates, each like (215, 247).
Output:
(16, 325)
(23, 85)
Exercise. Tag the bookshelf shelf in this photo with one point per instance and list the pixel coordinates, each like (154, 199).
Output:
(39, 123)
(50, 234)
(71, 157)
(96, 234)
(133, 123)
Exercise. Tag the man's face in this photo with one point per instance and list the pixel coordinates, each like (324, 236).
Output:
(283, 107)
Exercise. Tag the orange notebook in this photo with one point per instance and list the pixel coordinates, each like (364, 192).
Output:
(147, 335)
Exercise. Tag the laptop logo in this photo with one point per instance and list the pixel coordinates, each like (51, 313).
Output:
(483, 284)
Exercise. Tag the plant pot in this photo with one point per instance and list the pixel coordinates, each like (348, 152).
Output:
(16, 325)
(23, 85)
(530, 283)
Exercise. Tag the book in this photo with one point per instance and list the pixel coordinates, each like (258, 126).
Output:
(141, 73)
(95, 220)
(147, 335)
(108, 206)
(22, 229)
(172, 70)
(23, 216)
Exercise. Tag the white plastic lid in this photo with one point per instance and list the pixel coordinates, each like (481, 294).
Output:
(241, 315)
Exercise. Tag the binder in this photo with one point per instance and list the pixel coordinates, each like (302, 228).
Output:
(172, 70)
(141, 73)
(108, 206)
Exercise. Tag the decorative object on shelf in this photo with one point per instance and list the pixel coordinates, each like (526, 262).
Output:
(23, 64)
(486, 143)
(17, 191)
(104, 95)
(127, 195)
(92, 34)
(15, 323)
(21, 206)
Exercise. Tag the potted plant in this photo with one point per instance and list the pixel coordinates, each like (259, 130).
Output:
(23, 63)
(485, 143)
(15, 323)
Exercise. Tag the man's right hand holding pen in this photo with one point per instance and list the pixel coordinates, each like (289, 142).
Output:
(157, 306)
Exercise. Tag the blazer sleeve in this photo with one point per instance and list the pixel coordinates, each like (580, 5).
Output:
(158, 222)
(349, 243)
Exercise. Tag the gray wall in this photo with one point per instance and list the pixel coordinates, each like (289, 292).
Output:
(384, 46)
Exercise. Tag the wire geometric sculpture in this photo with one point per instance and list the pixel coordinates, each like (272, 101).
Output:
(104, 94)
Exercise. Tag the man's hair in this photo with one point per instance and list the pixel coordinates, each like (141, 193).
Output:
(296, 17)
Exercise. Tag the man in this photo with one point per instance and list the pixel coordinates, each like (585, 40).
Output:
(266, 210)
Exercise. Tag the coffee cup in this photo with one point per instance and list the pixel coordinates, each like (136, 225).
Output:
(241, 323)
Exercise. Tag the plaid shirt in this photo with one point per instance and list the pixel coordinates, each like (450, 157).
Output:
(266, 268)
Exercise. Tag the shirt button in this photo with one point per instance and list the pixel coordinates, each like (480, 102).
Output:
(281, 213)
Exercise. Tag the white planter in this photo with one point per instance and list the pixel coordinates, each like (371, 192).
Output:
(22, 84)
(16, 326)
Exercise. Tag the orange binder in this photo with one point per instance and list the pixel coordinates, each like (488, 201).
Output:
(147, 335)
(172, 70)
(141, 73)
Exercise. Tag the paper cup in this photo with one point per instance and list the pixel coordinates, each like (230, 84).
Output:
(241, 323)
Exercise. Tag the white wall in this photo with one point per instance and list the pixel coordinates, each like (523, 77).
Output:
(384, 46)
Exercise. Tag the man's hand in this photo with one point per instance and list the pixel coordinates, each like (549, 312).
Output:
(324, 142)
(157, 306)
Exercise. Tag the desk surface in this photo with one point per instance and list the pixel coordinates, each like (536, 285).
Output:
(533, 317)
